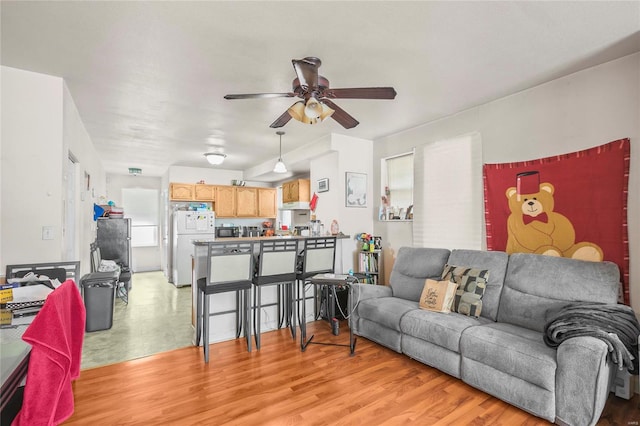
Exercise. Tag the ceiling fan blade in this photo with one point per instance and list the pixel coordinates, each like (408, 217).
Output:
(281, 121)
(341, 116)
(361, 93)
(261, 95)
(307, 71)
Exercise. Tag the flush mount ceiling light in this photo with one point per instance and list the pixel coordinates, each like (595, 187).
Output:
(215, 158)
(280, 167)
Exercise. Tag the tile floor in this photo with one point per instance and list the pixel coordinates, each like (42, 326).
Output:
(157, 319)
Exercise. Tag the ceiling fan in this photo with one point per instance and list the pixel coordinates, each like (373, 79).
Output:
(314, 89)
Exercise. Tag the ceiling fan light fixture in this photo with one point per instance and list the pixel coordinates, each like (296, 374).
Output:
(280, 167)
(296, 111)
(215, 158)
(313, 109)
(326, 112)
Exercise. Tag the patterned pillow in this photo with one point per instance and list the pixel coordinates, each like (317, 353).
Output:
(471, 286)
(438, 295)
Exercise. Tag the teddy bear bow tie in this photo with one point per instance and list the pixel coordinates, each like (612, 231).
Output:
(542, 217)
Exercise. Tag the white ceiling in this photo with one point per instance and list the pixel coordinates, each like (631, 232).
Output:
(148, 78)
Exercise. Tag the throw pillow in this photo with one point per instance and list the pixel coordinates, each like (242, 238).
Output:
(472, 284)
(438, 295)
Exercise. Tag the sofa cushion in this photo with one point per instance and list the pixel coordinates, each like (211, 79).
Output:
(438, 296)
(514, 350)
(537, 285)
(471, 285)
(493, 261)
(386, 311)
(439, 329)
(412, 266)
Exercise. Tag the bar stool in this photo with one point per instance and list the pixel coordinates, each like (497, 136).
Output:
(317, 256)
(276, 265)
(229, 268)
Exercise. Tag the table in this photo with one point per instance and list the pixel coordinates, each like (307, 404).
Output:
(330, 280)
(14, 358)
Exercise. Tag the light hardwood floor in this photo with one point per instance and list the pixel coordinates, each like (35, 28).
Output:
(279, 385)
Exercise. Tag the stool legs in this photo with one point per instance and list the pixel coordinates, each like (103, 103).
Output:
(290, 308)
(247, 317)
(257, 303)
(198, 317)
(239, 318)
(205, 327)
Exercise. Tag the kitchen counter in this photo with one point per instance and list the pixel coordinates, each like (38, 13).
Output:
(205, 241)
(224, 326)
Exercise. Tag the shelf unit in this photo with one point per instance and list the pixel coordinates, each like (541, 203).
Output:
(370, 266)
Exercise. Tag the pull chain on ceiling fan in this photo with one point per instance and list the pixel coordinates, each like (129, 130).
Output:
(314, 90)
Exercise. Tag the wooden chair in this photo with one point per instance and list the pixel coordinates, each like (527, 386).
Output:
(276, 265)
(229, 268)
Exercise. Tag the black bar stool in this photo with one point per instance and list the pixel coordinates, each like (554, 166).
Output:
(317, 257)
(276, 265)
(229, 268)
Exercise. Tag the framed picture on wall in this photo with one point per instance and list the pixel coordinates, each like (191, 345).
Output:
(323, 185)
(356, 189)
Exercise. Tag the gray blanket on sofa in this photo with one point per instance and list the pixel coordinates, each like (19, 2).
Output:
(616, 325)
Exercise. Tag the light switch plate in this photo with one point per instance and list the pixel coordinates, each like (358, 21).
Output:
(47, 232)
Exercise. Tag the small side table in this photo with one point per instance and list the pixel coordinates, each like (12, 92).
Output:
(331, 280)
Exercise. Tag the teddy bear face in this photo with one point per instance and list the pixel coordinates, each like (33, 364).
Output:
(532, 204)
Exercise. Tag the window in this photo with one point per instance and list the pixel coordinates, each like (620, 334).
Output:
(141, 205)
(397, 186)
(449, 194)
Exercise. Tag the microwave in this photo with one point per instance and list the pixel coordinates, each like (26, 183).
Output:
(227, 232)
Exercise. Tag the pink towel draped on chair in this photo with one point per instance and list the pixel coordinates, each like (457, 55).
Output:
(56, 336)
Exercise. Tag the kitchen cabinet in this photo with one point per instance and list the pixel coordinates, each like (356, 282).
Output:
(204, 192)
(229, 201)
(267, 202)
(225, 205)
(296, 190)
(246, 202)
(181, 191)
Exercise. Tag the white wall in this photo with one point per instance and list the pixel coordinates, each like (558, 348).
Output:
(76, 141)
(580, 111)
(347, 154)
(40, 125)
(211, 176)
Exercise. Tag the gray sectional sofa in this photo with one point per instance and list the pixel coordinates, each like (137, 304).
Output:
(502, 352)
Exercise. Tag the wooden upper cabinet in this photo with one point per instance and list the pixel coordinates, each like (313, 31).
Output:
(225, 205)
(246, 201)
(181, 191)
(229, 201)
(296, 190)
(204, 192)
(267, 200)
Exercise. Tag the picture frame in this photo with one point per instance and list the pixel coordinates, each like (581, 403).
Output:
(323, 185)
(355, 189)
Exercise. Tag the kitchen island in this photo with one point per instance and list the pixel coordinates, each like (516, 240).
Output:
(223, 327)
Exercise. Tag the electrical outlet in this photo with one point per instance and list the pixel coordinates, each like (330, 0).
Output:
(47, 232)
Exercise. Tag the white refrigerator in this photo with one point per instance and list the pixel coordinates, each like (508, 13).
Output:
(188, 226)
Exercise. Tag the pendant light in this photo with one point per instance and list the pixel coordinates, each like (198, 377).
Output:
(280, 167)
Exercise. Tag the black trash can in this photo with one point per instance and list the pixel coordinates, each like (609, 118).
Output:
(99, 291)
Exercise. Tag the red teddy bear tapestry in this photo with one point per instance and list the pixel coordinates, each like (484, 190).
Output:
(571, 205)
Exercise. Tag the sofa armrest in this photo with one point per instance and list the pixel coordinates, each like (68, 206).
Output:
(583, 380)
(362, 292)
(369, 291)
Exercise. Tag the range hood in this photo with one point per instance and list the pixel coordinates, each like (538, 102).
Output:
(298, 205)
